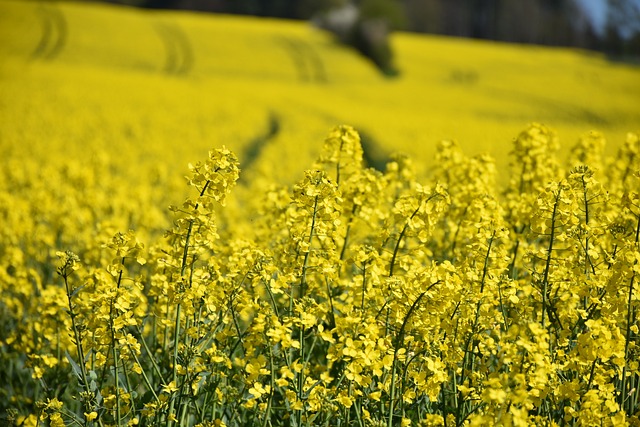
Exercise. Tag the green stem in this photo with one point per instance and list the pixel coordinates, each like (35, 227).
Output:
(301, 374)
(185, 252)
(332, 311)
(348, 231)
(502, 309)
(76, 333)
(267, 415)
(176, 338)
(144, 375)
(586, 221)
(399, 341)
(176, 343)
(272, 298)
(156, 368)
(547, 268)
(303, 280)
(116, 375)
(623, 388)
(358, 416)
(400, 237)
(303, 285)
(512, 266)
(364, 287)
(114, 349)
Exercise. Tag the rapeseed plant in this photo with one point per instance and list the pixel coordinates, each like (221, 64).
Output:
(354, 297)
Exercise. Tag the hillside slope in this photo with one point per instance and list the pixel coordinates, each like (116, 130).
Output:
(82, 77)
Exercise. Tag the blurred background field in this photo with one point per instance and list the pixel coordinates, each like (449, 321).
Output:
(154, 90)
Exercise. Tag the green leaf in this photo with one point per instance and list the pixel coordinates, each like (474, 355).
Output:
(75, 367)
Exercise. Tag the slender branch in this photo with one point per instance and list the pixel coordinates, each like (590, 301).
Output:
(545, 278)
(399, 340)
(627, 337)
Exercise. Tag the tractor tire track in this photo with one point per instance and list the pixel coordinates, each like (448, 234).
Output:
(54, 33)
(306, 60)
(373, 153)
(179, 57)
(254, 148)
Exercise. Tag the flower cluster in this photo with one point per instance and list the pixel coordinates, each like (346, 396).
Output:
(354, 297)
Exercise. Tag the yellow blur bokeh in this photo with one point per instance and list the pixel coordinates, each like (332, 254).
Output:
(167, 86)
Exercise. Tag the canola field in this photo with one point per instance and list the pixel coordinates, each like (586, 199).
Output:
(466, 253)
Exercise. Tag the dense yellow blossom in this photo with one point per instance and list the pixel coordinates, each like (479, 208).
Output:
(369, 297)
(279, 281)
